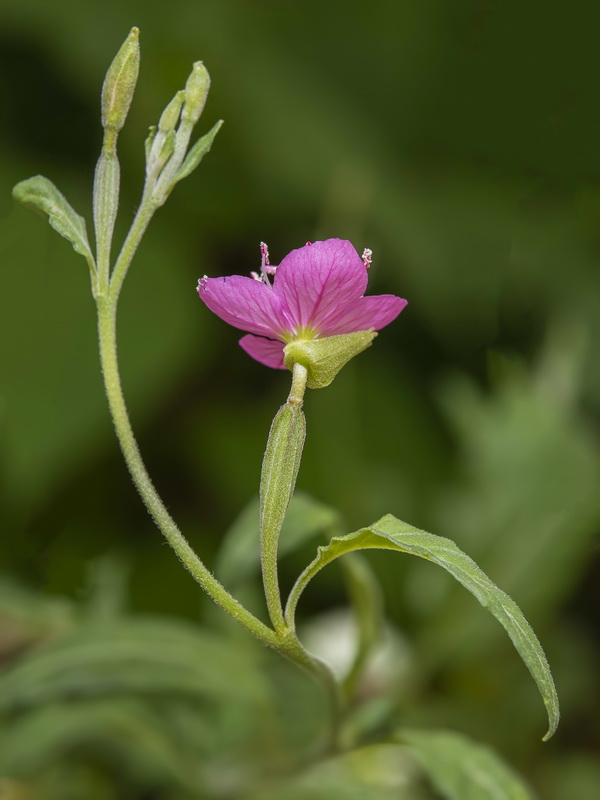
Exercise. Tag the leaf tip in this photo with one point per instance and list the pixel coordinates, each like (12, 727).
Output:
(554, 719)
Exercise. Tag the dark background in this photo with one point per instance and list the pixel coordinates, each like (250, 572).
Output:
(460, 142)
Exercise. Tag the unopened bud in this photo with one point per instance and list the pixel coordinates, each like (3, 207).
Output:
(196, 92)
(170, 116)
(150, 140)
(119, 84)
(324, 358)
(166, 150)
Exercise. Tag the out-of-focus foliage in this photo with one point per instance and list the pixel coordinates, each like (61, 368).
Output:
(459, 142)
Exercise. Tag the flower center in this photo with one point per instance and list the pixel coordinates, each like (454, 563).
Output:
(299, 335)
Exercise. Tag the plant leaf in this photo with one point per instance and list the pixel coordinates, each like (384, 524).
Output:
(390, 533)
(141, 656)
(376, 772)
(461, 769)
(197, 153)
(55, 732)
(41, 194)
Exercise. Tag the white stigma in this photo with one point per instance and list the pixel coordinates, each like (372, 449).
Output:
(367, 257)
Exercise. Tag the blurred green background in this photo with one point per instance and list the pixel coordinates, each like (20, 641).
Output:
(459, 141)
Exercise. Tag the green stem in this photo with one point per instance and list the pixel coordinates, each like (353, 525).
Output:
(299, 380)
(141, 479)
(286, 642)
(320, 671)
(130, 245)
(283, 640)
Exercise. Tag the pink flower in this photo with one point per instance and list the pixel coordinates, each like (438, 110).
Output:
(317, 291)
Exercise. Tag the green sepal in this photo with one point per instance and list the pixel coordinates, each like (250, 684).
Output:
(42, 195)
(390, 533)
(324, 358)
(197, 153)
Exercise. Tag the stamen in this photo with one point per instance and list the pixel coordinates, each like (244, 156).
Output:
(265, 265)
(264, 253)
(256, 277)
(202, 281)
(367, 257)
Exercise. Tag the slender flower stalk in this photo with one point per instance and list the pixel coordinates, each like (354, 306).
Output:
(282, 639)
(145, 487)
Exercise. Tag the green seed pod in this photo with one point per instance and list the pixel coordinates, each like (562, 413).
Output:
(324, 358)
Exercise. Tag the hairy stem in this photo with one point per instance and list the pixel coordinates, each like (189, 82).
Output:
(130, 245)
(285, 642)
(282, 639)
(141, 479)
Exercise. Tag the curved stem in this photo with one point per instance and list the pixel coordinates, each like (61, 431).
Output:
(141, 479)
(283, 640)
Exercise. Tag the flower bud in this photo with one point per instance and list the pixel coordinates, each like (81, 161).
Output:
(324, 358)
(152, 131)
(166, 150)
(170, 116)
(119, 84)
(196, 92)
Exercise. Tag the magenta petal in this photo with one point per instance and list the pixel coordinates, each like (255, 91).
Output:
(316, 280)
(245, 303)
(375, 312)
(267, 351)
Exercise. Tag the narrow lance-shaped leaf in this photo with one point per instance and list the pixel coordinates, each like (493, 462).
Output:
(461, 769)
(390, 533)
(197, 153)
(147, 656)
(41, 194)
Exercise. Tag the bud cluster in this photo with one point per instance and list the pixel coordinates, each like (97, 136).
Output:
(167, 156)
